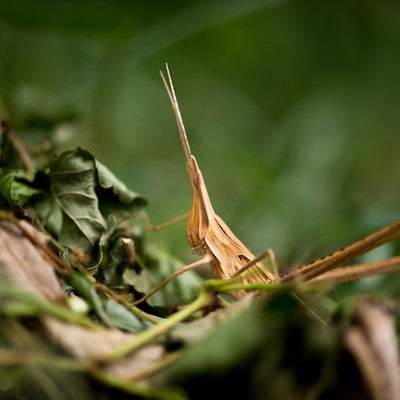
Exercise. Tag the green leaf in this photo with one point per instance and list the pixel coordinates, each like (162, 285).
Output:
(46, 209)
(107, 180)
(73, 184)
(123, 318)
(13, 191)
(91, 198)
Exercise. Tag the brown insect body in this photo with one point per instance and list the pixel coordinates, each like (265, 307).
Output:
(206, 231)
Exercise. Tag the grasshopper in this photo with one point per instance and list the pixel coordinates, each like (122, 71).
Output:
(205, 230)
(208, 234)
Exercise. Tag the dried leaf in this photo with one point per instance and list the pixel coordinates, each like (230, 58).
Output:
(89, 345)
(35, 276)
(372, 341)
(38, 279)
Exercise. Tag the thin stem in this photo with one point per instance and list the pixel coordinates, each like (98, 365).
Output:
(20, 149)
(255, 260)
(139, 389)
(164, 224)
(204, 299)
(219, 286)
(358, 271)
(63, 313)
(53, 257)
(228, 285)
(169, 278)
(126, 304)
(154, 367)
(22, 357)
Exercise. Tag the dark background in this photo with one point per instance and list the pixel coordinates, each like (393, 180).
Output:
(291, 107)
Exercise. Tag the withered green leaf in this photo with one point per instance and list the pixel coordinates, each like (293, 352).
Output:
(73, 184)
(91, 198)
(124, 319)
(13, 190)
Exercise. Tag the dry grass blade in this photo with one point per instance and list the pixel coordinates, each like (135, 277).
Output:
(206, 231)
(358, 271)
(180, 271)
(338, 258)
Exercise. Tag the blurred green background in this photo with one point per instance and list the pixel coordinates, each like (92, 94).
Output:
(291, 107)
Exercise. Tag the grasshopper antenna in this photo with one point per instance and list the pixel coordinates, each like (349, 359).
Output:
(169, 87)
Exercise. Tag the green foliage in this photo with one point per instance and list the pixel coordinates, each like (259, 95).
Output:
(73, 183)
(121, 318)
(14, 191)
(85, 206)
(75, 176)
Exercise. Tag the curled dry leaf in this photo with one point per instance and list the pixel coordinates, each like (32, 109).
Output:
(23, 265)
(94, 345)
(372, 341)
